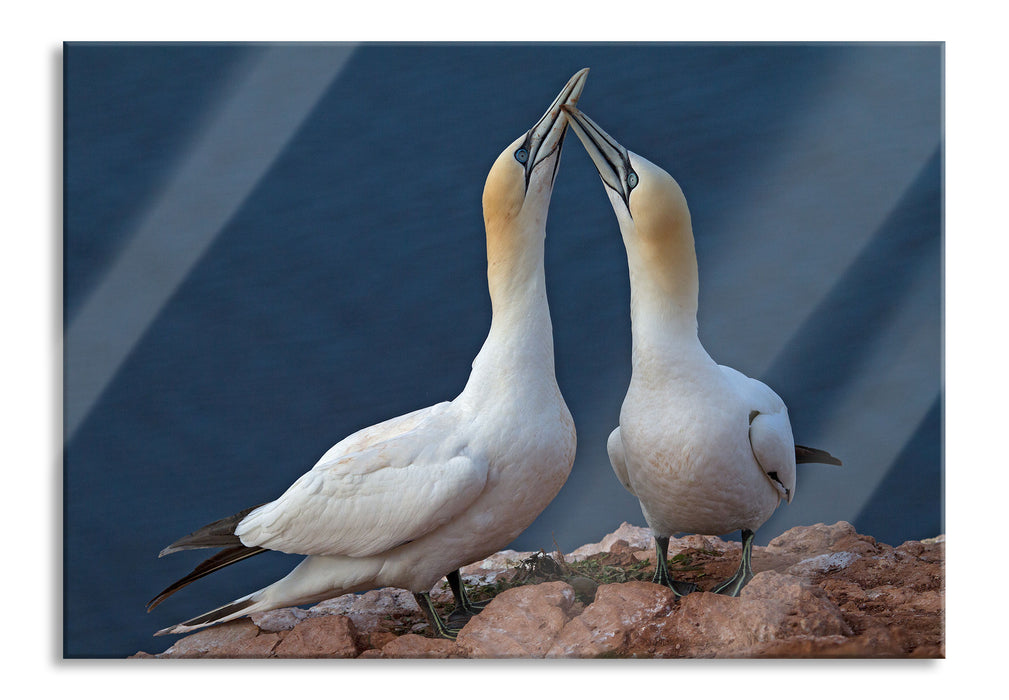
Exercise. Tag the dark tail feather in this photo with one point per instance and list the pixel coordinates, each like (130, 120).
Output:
(805, 455)
(220, 533)
(208, 618)
(214, 563)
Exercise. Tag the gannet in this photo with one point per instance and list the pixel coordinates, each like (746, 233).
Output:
(704, 448)
(409, 500)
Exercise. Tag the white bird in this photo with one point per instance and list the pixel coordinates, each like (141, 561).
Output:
(412, 499)
(704, 448)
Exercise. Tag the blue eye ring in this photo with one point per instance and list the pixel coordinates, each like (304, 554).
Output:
(632, 180)
(521, 155)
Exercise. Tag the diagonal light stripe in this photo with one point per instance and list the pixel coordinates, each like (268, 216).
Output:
(882, 408)
(865, 142)
(267, 105)
(861, 142)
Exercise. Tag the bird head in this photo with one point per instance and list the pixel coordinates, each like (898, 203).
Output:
(517, 192)
(650, 208)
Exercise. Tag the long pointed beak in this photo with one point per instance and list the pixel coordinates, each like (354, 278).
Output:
(611, 159)
(547, 135)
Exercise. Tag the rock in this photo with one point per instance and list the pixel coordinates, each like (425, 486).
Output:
(340, 605)
(584, 587)
(371, 611)
(931, 550)
(278, 620)
(505, 559)
(239, 639)
(821, 563)
(618, 613)
(519, 623)
(412, 646)
(487, 571)
(330, 637)
(381, 601)
(823, 591)
(772, 607)
(631, 535)
(700, 542)
(806, 542)
(900, 589)
(804, 609)
(876, 643)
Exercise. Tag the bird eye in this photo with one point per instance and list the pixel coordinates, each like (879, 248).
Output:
(632, 180)
(521, 155)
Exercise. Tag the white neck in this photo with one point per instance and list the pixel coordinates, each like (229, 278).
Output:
(518, 353)
(664, 290)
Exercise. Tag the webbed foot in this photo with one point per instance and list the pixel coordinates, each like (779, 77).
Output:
(662, 577)
(464, 607)
(438, 626)
(743, 575)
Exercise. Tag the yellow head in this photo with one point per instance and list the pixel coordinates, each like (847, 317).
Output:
(517, 192)
(653, 216)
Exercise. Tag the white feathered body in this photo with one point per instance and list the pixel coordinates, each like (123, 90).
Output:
(684, 446)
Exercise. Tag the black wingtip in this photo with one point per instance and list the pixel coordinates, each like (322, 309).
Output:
(220, 533)
(207, 618)
(808, 455)
(220, 560)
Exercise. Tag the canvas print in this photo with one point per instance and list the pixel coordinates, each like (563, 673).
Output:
(503, 350)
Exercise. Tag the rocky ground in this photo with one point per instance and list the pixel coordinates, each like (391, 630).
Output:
(820, 591)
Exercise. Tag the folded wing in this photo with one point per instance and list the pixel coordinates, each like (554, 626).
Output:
(371, 501)
(774, 450)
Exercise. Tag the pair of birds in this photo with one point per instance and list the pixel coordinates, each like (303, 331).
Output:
(409, 500)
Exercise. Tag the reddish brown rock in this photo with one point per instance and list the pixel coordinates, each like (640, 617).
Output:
(878, 643)
(901, 589)
(818, 539)
(239, 639)
(772, 607)
(930, 550)
(519, 623)
(414, 646)
(804, 609)
(377, 638)
(378, 615)
(330, 637)
(607, 626)
(278, 620)
(823, 591)
(637, 537)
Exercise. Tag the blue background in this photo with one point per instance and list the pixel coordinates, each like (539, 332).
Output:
(345, 282)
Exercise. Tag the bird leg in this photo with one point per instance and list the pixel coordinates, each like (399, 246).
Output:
(464, 607)
(438, 626)
(744, 573)
(662, 577)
